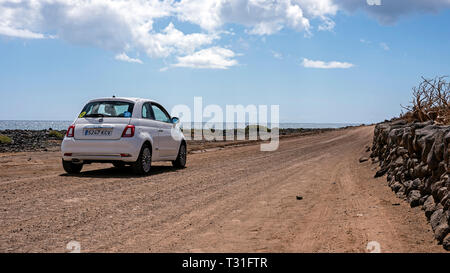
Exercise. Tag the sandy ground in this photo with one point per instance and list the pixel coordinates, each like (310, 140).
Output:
(236, 199)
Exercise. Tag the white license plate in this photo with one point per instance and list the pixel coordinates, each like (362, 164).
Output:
(97, 132)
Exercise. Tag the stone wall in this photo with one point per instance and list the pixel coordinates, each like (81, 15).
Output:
(415, 157)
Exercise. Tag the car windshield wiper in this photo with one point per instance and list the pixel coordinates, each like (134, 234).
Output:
(95, 115)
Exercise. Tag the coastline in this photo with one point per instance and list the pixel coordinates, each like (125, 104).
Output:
(46, 140)
(64, 124)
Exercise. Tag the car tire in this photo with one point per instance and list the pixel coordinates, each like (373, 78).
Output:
(180, 162)
(143, 164)
(119, 164)
(71, 168)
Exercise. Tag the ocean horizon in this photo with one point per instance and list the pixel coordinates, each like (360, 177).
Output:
(63, 124)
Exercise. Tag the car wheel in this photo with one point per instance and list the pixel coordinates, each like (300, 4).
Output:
(180, 162)
(143, 164)
(71, 168)
(119, 164)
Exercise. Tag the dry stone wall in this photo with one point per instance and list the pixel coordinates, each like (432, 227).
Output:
(415, 157)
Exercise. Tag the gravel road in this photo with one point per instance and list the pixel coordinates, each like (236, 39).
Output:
(236, 199)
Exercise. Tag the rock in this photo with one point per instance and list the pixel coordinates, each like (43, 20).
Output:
(423, 199)
(401, 151)
(446, 242)
(435, 218)
(415, 184)
(421, 171)
(398, 122)
(397, 186)
(399, 162)
(363, 159)
(420, 125)
(439, 223)
(408, 185)
(27, 140)
(441, 193)
(441, 231)
(435, 187)
(381, 172)
(414, 198)
(432, 161)
(446, 202)
(401, 194)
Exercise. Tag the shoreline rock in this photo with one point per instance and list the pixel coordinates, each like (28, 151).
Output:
(30, 140)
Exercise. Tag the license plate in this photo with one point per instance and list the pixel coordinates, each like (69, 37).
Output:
(97, 132)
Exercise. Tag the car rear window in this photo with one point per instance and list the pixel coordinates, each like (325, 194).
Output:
(113, 109)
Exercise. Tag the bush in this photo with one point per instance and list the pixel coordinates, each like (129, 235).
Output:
(5, 139)
(431, 101)
(259, 128)
(56, 134)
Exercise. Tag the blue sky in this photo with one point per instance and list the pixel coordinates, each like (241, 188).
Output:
(321, 61)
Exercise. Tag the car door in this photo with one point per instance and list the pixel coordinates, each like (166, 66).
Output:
(168, 146)
(149, 126)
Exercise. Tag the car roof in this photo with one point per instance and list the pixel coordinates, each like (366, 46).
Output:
(128, 99)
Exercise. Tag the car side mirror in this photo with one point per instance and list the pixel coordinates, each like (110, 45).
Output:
(175, 120)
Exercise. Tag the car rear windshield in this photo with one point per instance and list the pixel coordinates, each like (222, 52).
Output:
(113, 109)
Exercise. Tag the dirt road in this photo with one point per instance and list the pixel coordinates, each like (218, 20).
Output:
(237, 199)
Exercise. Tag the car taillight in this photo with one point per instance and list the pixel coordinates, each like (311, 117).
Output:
(70, 131)
(128, 131)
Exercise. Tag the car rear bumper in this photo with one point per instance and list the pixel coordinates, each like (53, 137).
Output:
(124, 149)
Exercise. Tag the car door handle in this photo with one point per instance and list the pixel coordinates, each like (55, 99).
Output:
(160, 130)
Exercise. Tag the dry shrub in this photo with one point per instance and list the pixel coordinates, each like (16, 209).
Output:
(431, 100)
(5, 139)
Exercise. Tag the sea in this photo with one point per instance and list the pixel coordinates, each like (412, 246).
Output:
(63, 124)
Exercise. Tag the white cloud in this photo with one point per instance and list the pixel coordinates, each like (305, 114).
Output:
(115, 23)
(266, 28)
(325, 65)
(20, 33)
(205, 13)
(277, 55)
(384, 46)
(125, 58)
(213, 58)
(327, 25)
(130, 25)
(117, 26)
(171, 41)
(261, 17)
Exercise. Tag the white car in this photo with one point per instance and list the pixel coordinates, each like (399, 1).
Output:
(123, 131)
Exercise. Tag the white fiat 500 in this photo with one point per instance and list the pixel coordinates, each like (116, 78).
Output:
(123, 131)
